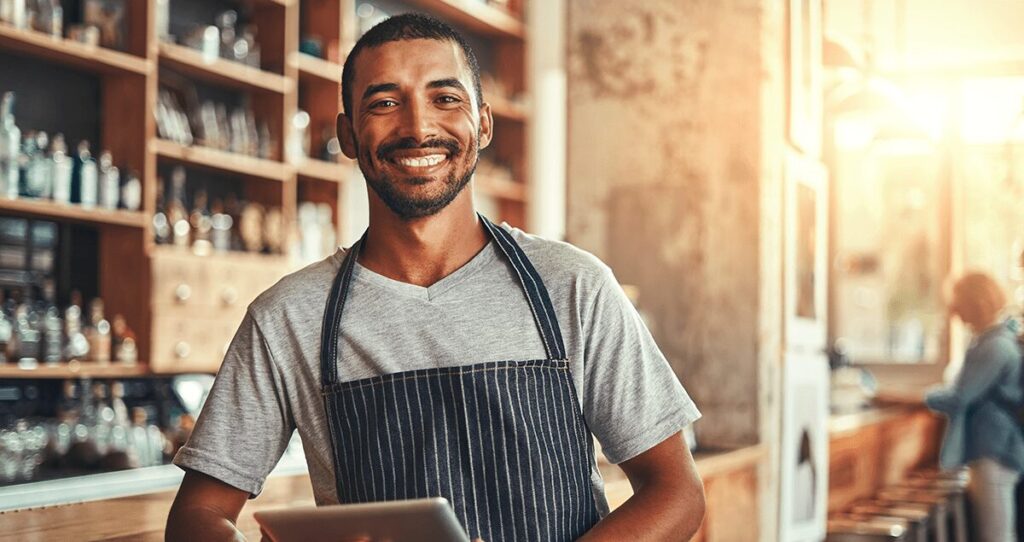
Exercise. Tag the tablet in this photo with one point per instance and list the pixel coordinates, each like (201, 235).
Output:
(422, 520)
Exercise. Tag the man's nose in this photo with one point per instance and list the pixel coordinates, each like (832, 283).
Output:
(418, 121)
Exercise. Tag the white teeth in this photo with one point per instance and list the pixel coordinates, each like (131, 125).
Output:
(422, 161)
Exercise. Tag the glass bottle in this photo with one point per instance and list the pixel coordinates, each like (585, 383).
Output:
(109, 181)
(201, 224)
(39, 170)
(98, 333)
(52, 350)
(26, 155)
(77, 347)
(27, 336)
(62, 167)
(10, 147)
(84, 182)
(6, 331)
(161, 225)
(131, 192)
(177, 216)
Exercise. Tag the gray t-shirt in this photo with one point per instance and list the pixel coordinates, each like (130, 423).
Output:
(269, 383)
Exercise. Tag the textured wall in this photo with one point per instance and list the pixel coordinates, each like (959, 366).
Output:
(665, 162)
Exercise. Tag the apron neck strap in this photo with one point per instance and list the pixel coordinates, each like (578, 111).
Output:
(532, 285)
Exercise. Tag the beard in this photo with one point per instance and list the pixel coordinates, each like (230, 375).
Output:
(407, 206)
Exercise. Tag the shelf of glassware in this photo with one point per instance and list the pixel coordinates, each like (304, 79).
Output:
(73, 369)
(89, 58)
(223, 161)
(476, 16)
(73, 213)
(221, 71)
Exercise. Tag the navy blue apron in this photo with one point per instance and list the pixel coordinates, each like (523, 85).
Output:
(504, 441)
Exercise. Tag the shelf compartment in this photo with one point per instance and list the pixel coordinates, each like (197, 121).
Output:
(74, 213)
(75, 369)
(222, 161)
(501, 189)
(220, 71)
(324, 171)
(315, 69)
(72, 53)
(476, 17)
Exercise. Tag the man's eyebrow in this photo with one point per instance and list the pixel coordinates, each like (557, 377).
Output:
(449, 82)
(380, 87)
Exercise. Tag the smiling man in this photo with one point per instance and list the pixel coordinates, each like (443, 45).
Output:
(444, 355)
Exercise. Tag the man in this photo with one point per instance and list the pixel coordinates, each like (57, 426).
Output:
(441, 354)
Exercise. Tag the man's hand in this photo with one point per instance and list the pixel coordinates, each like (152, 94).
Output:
(667, 501)
(205, 509)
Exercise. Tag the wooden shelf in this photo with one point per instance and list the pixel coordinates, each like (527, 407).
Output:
(508, 190)
(226, 162)
(73, 213)
(323, 171)
(225, 72)
(502, 108)
(75, 369)
(72, 53)
(474, 16)
(315, 69)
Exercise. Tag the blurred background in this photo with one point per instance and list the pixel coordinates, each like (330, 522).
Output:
(783, 187)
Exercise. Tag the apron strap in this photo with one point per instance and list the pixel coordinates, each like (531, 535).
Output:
(533, 287)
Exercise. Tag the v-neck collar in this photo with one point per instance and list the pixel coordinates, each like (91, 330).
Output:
(428, 293)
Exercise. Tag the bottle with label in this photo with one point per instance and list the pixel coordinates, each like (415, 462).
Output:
(62, 167)
(39, 169)
(10, 147)
(77, 347)
(109, 181)
(85, 181)
(98, 333)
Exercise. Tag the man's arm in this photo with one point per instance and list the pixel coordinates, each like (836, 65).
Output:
(205, 509)
(667, 501)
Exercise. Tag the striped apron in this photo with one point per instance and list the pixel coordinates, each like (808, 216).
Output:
(505, 442)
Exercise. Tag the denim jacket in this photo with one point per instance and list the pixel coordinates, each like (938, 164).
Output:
(978, 426)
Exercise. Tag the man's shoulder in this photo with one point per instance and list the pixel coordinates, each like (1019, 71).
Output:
(559, 260)
(299, 290)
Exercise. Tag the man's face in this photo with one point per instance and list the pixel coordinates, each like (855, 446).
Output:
(416, 128)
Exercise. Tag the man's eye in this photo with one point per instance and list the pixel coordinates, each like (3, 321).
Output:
(383, 103)
(448, 99)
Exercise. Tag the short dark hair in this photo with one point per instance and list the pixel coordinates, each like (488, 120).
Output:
(408, 26)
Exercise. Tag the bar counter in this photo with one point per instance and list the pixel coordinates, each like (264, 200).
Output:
(142, 517)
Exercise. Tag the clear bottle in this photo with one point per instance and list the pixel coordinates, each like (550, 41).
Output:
(27, 336)
(6, 330)
(109, 181)
(77, 347)
(10, 147)
(161, 225)
(51, 18)
(98, 333)
(177, 216)
(25, 157)
(85, 181)
(39, 170)
(131, 192)
(62, 167)
(52, 351)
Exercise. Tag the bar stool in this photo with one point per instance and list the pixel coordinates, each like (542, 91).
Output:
(869, 529)
(955, 493)
(918, 517)
(943, 521)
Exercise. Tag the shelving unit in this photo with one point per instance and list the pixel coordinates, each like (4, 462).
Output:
(136, 277)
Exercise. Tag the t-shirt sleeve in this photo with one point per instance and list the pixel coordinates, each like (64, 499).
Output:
(633, 399)
(246, 424)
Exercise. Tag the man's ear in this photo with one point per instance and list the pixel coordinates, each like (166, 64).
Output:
(486, 125)
(346, 137)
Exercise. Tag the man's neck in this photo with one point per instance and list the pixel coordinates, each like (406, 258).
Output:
(424, 250)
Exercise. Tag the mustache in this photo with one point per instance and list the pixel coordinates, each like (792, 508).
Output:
(407, 143)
